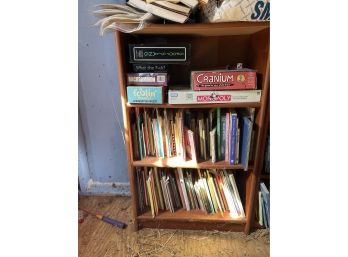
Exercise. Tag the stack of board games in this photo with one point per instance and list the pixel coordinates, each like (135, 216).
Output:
(211, 191)
(219, 86)
(194, 134)
(149, 80)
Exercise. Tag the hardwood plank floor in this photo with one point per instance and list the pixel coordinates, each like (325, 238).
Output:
(98, 239)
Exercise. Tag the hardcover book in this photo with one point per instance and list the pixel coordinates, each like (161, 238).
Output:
(150, 53)
(223, 80)
(208, 97)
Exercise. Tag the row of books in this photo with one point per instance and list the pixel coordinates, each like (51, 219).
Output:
(264, 206)
(211, 191)
(216, 134)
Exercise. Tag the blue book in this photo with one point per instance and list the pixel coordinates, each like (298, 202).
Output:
(266, 199)
(233, 137)
(264, 216)
(223, 136)
(247, 128)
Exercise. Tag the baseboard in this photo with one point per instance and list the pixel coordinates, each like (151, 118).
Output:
(106, 188)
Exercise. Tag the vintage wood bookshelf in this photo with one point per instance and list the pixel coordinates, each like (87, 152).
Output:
(212, 45)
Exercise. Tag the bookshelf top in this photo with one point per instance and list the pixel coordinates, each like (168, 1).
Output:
(206, 29)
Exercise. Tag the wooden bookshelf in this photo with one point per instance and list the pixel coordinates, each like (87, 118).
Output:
(192, 216)
(176, 162)
(212, 45)
(197, 106)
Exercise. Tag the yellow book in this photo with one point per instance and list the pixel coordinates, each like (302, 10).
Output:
(148, 185)
(213, 193)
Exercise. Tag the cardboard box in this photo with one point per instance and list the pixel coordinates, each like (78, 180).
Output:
(145, 94)
(223, 80)
(147, 79)
(206, 97)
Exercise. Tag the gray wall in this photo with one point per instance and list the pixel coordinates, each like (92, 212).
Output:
(102, 154)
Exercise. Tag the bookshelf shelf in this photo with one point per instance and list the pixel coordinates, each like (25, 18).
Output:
(192, 216)
(176, 162)
(198, 106)
(212, 46)
(206, 29)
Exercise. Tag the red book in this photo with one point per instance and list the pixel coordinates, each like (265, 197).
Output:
(223, 80)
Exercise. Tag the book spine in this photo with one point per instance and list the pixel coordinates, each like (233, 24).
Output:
(223, 80)
(223, 137)
(233, 138)
(218, 133)
(237, 145)
(228, 136)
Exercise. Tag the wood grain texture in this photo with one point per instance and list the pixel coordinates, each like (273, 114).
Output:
(206, 29)
(198, 106)
(177, 162)
(98, 239)
(213, 46)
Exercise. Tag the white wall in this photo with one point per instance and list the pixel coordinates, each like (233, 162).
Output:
(102, 154)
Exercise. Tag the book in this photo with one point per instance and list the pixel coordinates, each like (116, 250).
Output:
(219, 129)
(158, 11)
(246, 140)
(266, 199)
(237, 142)
(233, 138)
(190, 144)
(121, 17)
(223, 80)
(147, 79)
(228, 137)
(236, 193)
(207, 97)
(212, 145)
(183, 189)
(149, 191)
(176, 7)
(260, 209)
(191, 3)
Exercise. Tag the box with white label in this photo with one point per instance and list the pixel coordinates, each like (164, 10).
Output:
(206, 97)
(147, 79)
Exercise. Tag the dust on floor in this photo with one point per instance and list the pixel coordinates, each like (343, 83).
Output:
(98, 239)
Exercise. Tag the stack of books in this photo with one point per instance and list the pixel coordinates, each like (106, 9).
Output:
(264, 206)
(194, 134)
(173, 10)
(211, 191)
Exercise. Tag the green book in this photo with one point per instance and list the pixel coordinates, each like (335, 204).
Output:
(218, 133)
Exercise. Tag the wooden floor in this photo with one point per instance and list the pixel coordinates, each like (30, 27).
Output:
(98, 239)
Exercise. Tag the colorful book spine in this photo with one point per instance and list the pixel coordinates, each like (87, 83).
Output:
(233, 137)
(223, 136)
(246, 139)
(218, 133)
